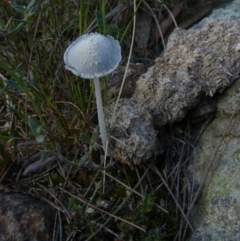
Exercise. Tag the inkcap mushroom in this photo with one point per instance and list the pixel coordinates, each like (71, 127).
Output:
(92, 56)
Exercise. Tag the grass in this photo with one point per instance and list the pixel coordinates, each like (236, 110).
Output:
(48, 136)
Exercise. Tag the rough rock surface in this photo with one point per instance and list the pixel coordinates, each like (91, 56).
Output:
(226, 11)
(195, 64)
(216, 215)
(24, 218)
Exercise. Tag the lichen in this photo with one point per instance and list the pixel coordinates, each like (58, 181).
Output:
(195, 64)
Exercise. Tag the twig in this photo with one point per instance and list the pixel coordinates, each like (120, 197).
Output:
(170, 192)
(120, 206)
(83, 200)
(158, 26)
(128, 63)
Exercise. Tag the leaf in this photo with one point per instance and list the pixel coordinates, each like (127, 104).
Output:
(34, 126)
(26, 144)
(44, 157)
(31, 5)
(100, 20)
(83, 160)
(12, 84)
(37, 104)
(40, 139)
(84, 137)
(96, 146)
(3, 137)
(36, 166)
(17, 8)
(112, 30)
(16, 30)
(39, 130)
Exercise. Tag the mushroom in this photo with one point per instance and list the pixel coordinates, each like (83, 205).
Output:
(92, 56)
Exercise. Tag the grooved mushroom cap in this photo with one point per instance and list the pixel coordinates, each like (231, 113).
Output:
(93, 56)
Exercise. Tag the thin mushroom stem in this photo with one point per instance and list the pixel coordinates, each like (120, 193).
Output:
(101, 122)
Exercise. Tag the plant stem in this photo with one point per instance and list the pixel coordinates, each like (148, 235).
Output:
(101, 122)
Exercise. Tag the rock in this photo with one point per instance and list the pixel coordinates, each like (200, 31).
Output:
(216, 215)
(226, 11)
(24, 218)
(195, 64)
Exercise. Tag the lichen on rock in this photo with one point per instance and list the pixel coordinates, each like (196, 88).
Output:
(195, 64)
(216, 213)
(23, 217)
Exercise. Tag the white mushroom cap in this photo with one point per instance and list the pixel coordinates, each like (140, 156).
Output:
(93, 56)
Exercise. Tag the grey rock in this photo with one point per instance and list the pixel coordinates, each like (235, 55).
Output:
(226, 11)
(195, 64)
(216, 215)
(25, 218)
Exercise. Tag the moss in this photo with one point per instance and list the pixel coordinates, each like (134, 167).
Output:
(81, 180)
(120, 192)
(171, 222)
(56, 178)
